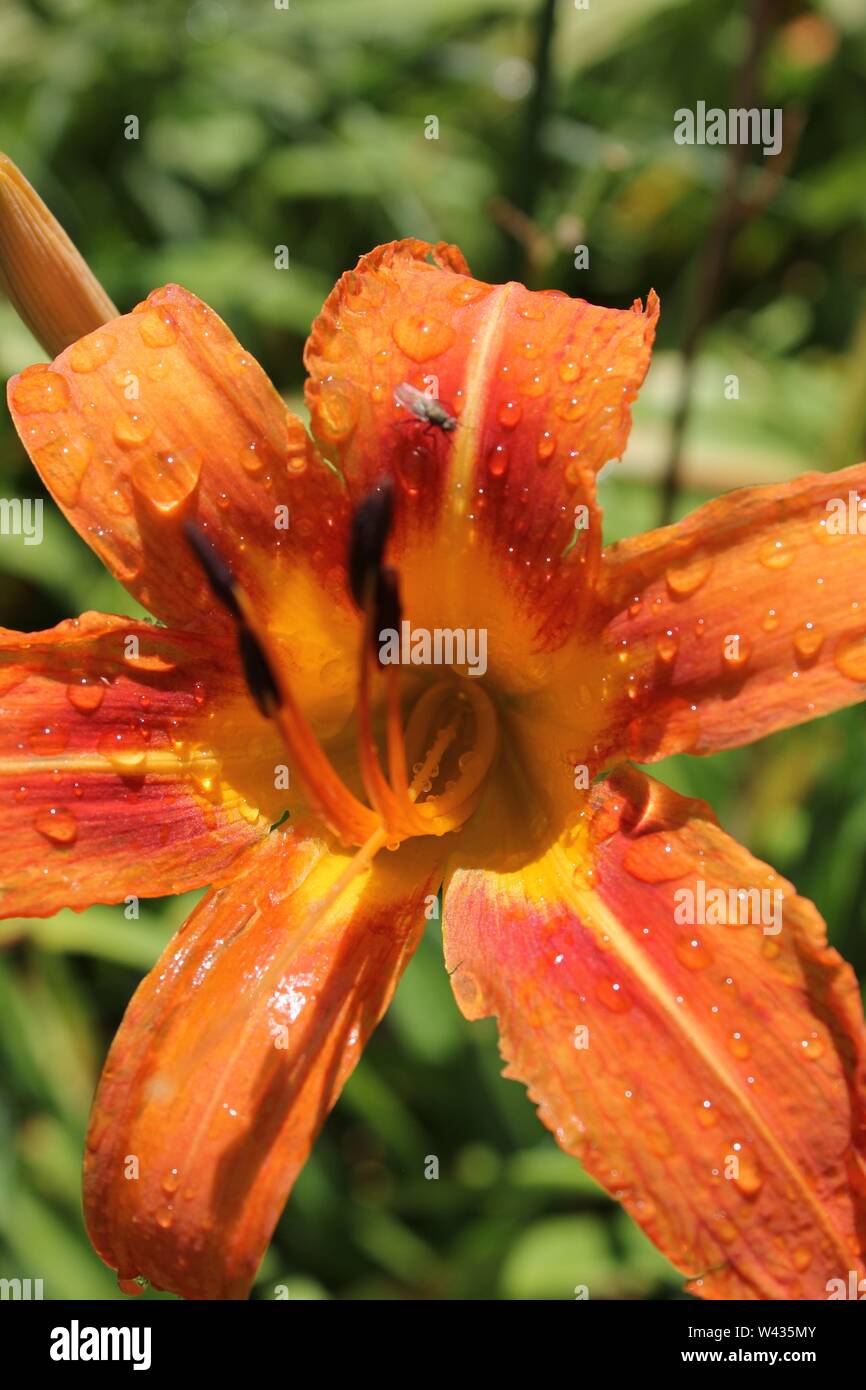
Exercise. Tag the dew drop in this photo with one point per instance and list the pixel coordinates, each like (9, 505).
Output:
(725, 1230)
(738, 1046)
(510, 414)
(546, 446)
(824, 536)
(749, 1179)
(808, 641)
(736, 651)
(688, 575)
(132, 1287)
(85, 695)
(570, 408)
(157, 329)
(775, 554)
(770, 620)
(335, 411)
(131, 430)
(468, 292)
(48, 739)
(57, 825)
(119, 502)
(38, 389)
(692, 953)
(667, 646)
(91, 352)
(812, 1047)
(167, 479)
(611, 994)
(569, 367)
(124, 749)
(497, 461)
(421, 337)
(707, 1115)
(64, 460)
(850, 656)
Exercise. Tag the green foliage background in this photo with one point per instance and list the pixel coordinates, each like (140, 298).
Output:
(305, 127)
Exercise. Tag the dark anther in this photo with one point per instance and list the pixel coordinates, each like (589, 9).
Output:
(219, 576)
(387, 611)
(371, 526)
(258, 673)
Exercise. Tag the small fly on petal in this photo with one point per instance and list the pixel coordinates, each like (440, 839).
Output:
(424, 407)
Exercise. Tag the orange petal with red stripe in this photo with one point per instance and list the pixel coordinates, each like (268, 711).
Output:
(541, 387)
(162, 416)
(231, 1054)
(132, 762)
(746, 617)
(710, 1076)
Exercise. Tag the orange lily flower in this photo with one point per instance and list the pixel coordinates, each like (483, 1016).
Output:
(709, 1076)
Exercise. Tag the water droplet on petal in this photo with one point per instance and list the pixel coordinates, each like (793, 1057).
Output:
(91, 352)
(48, 739)
(131, 430)
(86, 695)
(64, 461)
(667, 646)
(421, 337)
(776, 554)
(850, 656)
(335, 411)
(413, 465)
(570, 408)
(738, 1046)
(812, 1047)
(707, 1115)
(132, 1287)
(510, 414)
(39, 389)
(749, 1179)
(611, 994)
(569, 367)
(56, 824)
(686, 576)
(468, 291)
(770, 620)
(692, 953)
(808, 641)
(725, 1230)
(546, 446)
(124, 749)
(157, 328)
(167, 479)
(497, 461)
(736, 651)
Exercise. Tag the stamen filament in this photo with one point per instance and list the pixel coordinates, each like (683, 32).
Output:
(346, 816)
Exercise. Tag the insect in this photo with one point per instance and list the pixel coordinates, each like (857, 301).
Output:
(424, 407)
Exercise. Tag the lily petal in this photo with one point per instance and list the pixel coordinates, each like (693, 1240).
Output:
(132, 763)
(221, 1075)
(746, 617)
(710, 1077)
(541, 386)
(162, 416)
